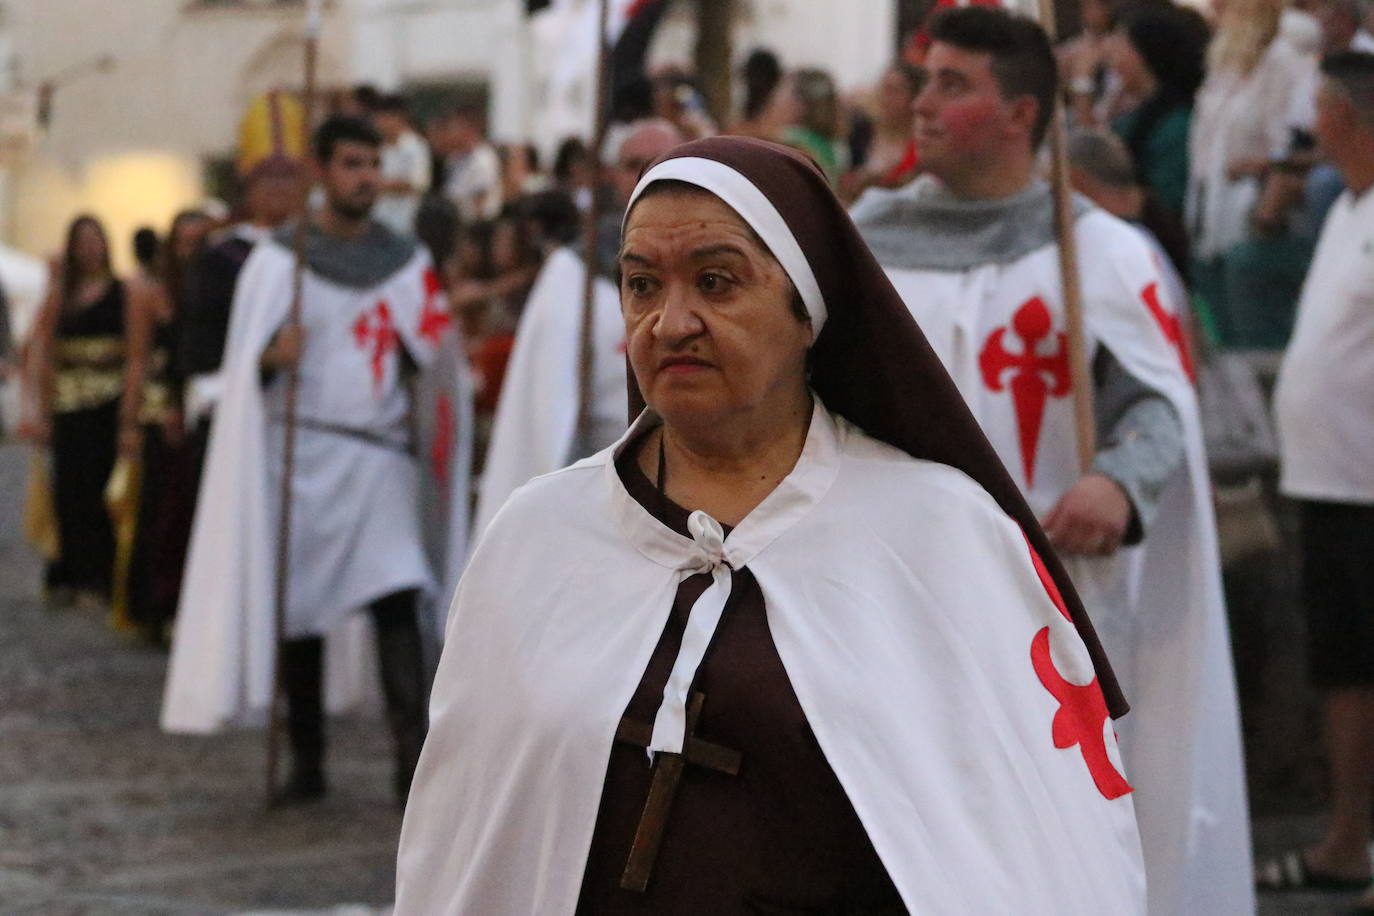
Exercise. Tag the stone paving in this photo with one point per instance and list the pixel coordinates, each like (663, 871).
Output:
(101, 813)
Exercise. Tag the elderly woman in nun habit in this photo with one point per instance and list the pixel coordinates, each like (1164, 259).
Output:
(794, 644)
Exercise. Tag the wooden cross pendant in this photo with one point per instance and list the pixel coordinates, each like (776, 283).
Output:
(667, 773)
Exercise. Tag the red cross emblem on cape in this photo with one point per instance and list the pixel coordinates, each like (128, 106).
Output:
(374, 329)
(434, 316)
(1034, 377)
(1082, 714)
(1172, 327)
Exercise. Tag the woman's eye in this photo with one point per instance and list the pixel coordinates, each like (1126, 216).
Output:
(638, 285)
(712, 283)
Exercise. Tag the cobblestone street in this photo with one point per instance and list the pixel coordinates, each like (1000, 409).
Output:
(102, 813)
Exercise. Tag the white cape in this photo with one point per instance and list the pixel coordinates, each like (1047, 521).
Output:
(910, 647)
(535, 428)
(220, 673)
(1158, 607)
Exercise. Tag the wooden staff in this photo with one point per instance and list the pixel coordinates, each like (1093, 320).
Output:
(1085, 421)
(586, 346)
(293, 380)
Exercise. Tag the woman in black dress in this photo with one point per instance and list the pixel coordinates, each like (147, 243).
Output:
(82, 352)
(151, 430)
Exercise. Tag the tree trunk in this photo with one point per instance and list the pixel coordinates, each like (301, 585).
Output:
(714, 54)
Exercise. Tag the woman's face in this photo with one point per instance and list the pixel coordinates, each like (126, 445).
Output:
(785, 106)
(709, 324)
(89, 248)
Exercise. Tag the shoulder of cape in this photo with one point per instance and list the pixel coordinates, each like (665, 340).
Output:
(273, 250)
(567, 491)
(914, 484)
(1113, 252)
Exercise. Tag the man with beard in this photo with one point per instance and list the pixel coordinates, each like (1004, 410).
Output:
(372, 528)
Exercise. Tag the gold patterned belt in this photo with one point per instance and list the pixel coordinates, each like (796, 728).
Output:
(82, 387)
(94, 352)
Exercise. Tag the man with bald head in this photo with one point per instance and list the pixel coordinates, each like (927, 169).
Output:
(539, 425)
(643, 142)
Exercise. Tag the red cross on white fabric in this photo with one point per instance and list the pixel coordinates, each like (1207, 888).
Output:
(1172, 327)
(1082, 715)
(1035, 377)
(434, 316)
(375, 329)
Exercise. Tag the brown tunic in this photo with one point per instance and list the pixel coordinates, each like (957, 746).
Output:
(782, 836)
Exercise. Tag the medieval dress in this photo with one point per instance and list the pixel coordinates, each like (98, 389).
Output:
(378, 497)
(88, 379)
(982, 279)
(882, 690)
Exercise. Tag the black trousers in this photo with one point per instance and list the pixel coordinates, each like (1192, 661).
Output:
(404, 686)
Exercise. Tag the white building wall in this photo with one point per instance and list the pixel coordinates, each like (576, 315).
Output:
(129, 145)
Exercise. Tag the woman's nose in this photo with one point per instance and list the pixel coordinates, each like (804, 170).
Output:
(678, 319)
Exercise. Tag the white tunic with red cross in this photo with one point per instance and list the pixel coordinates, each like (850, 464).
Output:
(999, 329)
(378, 492)
(355, 513)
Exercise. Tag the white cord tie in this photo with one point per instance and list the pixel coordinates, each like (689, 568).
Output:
(670, 723)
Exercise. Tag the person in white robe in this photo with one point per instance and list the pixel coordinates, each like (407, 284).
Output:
(539, 426)
(803, 541)
(971, 248)
(378, 493)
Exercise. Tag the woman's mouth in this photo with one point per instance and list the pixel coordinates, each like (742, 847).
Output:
(676, 364)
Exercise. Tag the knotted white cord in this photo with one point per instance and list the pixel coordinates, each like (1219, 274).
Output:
(670, 723)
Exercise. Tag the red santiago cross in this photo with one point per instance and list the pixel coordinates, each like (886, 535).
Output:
(376, 329)
(1171, 326)
(1029, 387)
(434, 317)
(1082, 712)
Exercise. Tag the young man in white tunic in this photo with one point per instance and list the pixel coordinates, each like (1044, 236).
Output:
(971, 249)
(1326, 436)
(378, 494)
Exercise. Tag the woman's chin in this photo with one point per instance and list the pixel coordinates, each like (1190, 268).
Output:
(686, 410)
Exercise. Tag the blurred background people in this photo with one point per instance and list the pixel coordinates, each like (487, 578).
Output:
(520, 172)
(152, 433)
(472, 170)
(1244, 119)
(405, 165)
(808, 107)
(892, 157)
(1158, 54)
(677, 100)
(82, 343)
(760, 76)
(574, 172)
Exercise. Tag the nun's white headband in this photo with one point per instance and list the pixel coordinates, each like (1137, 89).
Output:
(740, 194)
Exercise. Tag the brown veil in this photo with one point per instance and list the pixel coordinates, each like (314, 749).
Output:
(871, 364)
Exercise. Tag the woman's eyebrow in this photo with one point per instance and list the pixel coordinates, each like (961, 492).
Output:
(636, 258)
(710, 251)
